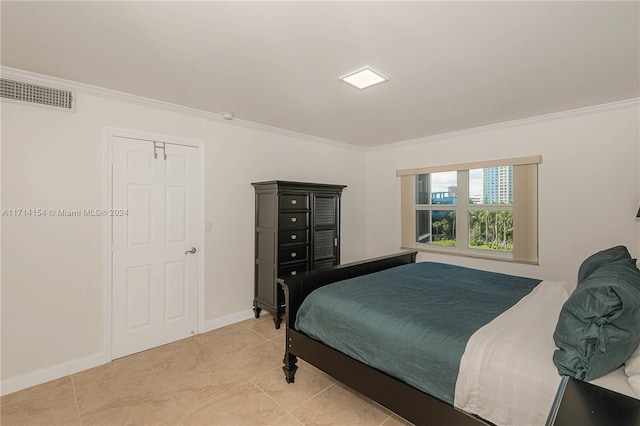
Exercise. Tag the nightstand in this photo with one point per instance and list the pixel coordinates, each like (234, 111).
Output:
(584, 404)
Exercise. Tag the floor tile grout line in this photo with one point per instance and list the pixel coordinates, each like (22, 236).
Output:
(280, 368)
(75, 397)
(288, 414)
(311, 397)
(277, 403)
(157, 374)
(162, 381)
(386, 420)
(257, 332)
(265, 372)
(171, 392)
(314, 396)
(225, 392)
(209, 345)
(249, 346)
(323, 390)
(148, 364)
(279, 345)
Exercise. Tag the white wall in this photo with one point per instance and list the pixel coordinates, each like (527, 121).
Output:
(588, 186)
(242, 156)
(54, 268)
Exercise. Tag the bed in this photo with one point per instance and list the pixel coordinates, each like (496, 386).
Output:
(466, 385)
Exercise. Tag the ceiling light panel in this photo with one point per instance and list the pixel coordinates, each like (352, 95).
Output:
(364, 78)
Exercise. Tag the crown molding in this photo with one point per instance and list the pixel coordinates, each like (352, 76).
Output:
(35, 78)
(298, 135)
(59, 83)
(508, 124)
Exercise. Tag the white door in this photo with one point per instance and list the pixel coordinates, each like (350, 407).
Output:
(155, 245)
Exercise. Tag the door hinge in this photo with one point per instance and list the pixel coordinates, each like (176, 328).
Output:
(335, 242)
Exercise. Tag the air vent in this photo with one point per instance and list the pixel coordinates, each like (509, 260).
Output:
(34, 94)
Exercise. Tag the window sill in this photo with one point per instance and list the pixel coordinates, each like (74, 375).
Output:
(501, 257)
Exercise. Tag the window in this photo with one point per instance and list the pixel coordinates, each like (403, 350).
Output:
(485, 209)
(436, 194)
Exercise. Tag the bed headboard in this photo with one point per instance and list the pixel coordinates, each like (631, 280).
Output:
(298, 287)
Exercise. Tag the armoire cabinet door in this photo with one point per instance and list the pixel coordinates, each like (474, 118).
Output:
(325, 230)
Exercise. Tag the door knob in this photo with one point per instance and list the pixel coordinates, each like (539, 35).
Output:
(192, 250)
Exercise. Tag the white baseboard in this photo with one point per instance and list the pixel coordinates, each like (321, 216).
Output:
(47, 374)
(227, 320)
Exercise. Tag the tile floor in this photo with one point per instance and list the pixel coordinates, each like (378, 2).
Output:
(229, 376)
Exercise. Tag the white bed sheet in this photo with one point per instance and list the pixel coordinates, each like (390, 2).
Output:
(507, 374)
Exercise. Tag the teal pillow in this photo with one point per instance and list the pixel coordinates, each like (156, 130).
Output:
(593, 262)
(599, 325)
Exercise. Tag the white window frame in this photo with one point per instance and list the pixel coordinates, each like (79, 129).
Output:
(524, 207)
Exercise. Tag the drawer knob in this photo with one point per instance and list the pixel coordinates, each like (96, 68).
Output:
(294, 201)
(293, 237)
(294, 219)
(294, 254)
(293, 272)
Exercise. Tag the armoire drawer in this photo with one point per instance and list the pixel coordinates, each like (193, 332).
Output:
(293, 269)
(294, 201)
(293, 254)
(290, 236)
(294, 220)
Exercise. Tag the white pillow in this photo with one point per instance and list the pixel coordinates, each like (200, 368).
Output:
(632, 370)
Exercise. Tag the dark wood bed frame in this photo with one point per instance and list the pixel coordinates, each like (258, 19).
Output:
(401, 398)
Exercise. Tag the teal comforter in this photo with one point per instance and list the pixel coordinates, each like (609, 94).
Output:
(413, 321)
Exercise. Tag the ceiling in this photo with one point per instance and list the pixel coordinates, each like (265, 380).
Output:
(452, 65)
